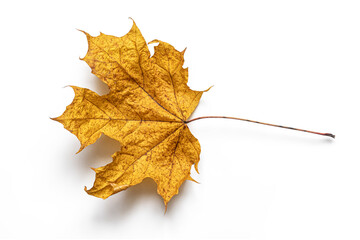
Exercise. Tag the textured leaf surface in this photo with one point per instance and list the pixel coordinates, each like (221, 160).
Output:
(146, 111)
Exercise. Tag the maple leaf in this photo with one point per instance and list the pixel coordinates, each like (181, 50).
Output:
(146, 111)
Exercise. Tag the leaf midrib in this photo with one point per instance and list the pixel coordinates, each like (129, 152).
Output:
(120, 119)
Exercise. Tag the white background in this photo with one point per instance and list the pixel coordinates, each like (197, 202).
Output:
(294, 63)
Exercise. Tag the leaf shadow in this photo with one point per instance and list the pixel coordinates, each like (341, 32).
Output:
(123, 205)
(93, 83)
(98, 86)
(99, 153)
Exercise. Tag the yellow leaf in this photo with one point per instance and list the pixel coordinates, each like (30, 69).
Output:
(146, 111)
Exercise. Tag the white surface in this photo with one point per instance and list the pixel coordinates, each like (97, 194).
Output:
(289, 62)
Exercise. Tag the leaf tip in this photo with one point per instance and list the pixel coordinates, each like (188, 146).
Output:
(183, 51)
(196, 168)
(191, 179)
(166, 204)
(154, 41)
(208, 88)
(95, 193)
(82, 31)
(80, 149)
(132, 20)
(86, 34)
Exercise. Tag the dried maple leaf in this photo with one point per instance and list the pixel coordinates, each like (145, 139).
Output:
(146, 111)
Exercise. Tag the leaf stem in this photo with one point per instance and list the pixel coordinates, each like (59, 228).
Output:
(268, 124)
